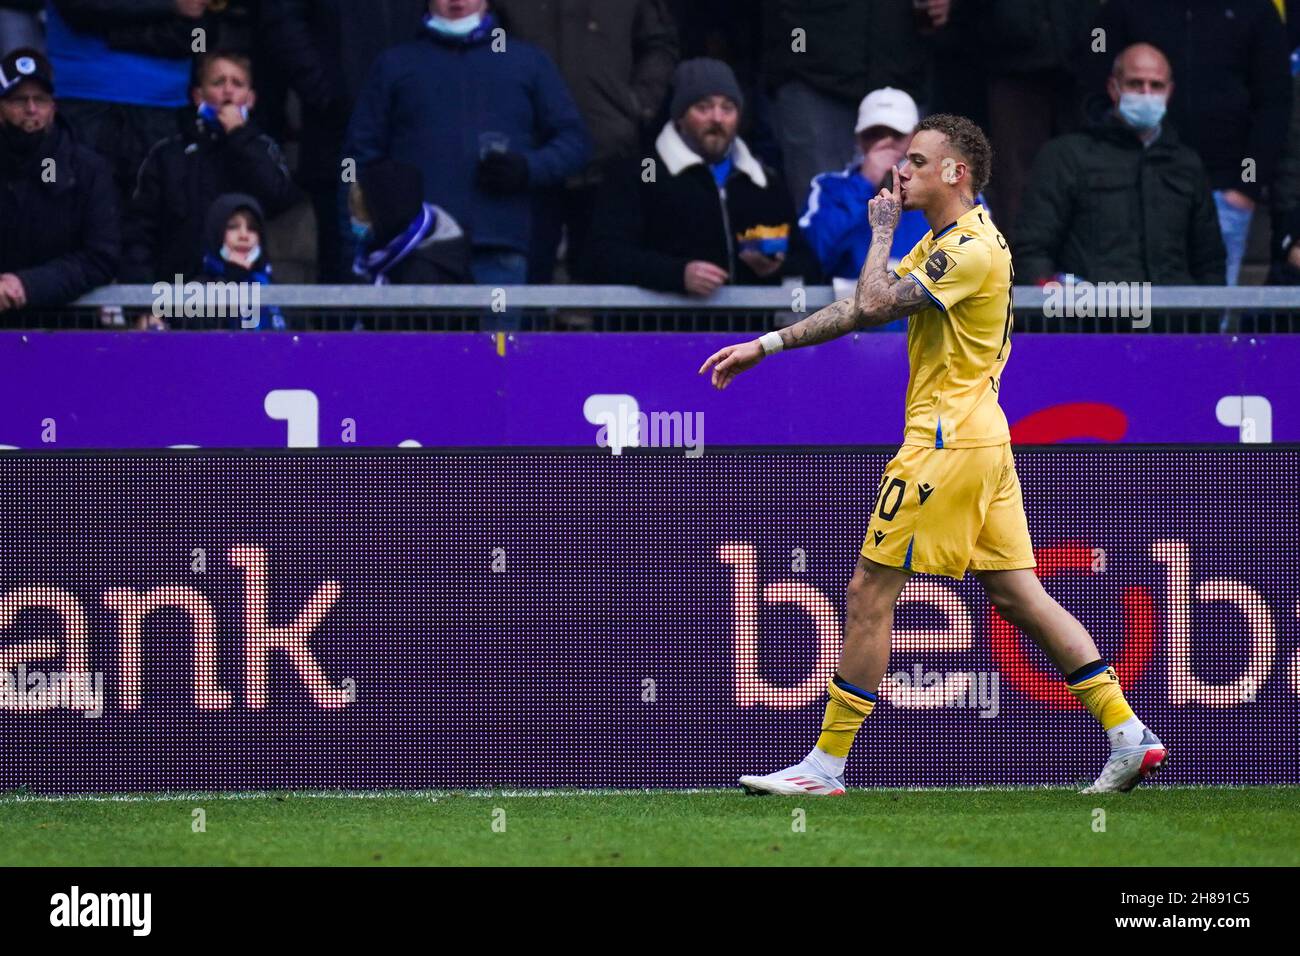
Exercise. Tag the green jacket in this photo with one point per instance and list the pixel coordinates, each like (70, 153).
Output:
(1105, 209)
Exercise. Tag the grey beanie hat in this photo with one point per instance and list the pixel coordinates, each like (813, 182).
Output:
(696, 79)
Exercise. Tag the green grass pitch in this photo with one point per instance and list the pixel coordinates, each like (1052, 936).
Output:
(1153, 826)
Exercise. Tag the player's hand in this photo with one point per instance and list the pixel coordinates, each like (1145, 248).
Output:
(883, 211)
(762, 265)
(191, 9)
(729, 362)
(703, 278)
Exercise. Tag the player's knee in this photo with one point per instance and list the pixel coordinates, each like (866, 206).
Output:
(1013, 609)
(869, 592)
(1017, 602)
(1008, 610)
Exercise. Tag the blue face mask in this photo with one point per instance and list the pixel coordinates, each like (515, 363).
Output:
(361, 231)
(454, 28)
(1142, 111)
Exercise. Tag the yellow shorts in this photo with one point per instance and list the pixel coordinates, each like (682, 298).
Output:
(943, 510)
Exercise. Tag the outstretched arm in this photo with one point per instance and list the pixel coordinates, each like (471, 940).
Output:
(880, 297)
(838, 318)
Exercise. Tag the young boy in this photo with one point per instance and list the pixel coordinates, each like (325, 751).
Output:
(234, 244)
(217, 151)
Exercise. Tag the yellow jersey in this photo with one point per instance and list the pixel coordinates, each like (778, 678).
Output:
(957, 348)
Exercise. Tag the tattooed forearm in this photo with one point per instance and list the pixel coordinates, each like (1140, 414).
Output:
(905, 297)
(881, 296)
(877, 279)
(838, 318)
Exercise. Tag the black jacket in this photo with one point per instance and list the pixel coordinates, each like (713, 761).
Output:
(60, 238)
(1104, 208)
(850, 47)
(645, 233)
(1232, 84)
(177, 184)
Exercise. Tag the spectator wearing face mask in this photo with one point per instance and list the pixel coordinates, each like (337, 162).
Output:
(486, 124)
(218, 151)
(1125, 199)
(1234, 96)
(401, 239)
(58, 209)
(234, 250)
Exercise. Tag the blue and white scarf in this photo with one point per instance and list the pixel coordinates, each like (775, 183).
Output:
(374, 266)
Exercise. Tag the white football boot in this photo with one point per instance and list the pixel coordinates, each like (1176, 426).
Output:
(1126, 767)
(802, 779)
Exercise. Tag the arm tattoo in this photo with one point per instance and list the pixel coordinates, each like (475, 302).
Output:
(881, 296)
(838, 318)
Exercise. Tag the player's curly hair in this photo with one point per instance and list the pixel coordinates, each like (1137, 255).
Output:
(969, 140)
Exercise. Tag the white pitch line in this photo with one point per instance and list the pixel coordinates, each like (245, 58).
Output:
(513, 794)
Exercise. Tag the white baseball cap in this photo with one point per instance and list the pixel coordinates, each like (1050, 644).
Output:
(888, 107)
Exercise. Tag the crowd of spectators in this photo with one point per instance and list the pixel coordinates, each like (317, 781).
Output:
(677, 145)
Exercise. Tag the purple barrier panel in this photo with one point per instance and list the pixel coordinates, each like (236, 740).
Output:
(554, 618)
(106, 390)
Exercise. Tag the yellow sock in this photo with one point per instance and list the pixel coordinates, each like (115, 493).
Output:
(848, 707)
(1097, 688)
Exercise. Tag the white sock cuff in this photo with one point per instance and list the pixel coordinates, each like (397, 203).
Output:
(831, 765)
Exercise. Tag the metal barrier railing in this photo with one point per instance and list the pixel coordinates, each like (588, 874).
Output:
(733, 309)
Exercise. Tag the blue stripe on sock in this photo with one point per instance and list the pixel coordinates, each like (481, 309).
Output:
(1091, 674)
(844, 685)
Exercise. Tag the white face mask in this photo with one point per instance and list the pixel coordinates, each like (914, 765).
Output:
(457, 28)
(1142, 111)
(228, 254)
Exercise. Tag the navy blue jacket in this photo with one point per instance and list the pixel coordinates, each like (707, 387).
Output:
(427, 102)
(836, 226)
